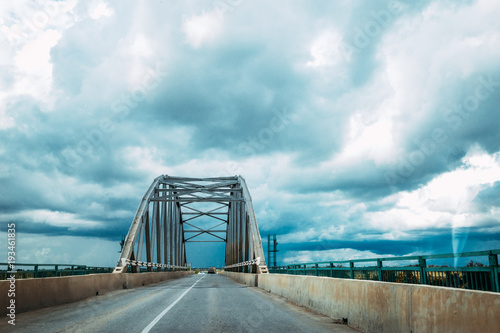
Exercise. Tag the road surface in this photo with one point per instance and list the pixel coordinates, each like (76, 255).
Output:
(197, 303)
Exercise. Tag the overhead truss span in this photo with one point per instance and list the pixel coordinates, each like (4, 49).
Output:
(178, 210)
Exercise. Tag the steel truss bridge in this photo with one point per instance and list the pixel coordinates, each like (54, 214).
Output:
(178, 210)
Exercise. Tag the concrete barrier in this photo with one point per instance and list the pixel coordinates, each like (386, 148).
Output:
(32, 294)
(249, 279)
(375, 306)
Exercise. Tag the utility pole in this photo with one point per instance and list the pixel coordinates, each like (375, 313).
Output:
(122, 242)
(272, 249)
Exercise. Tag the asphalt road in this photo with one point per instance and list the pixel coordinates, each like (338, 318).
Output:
(197, 303)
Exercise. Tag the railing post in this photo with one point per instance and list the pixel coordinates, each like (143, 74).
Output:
(35, 273)
(422, 263)
(351, 267)
(72, 270)
(331, 269)
(493, 261)
(379, 269)
(56, 268)
(305, 269)
(316, 268)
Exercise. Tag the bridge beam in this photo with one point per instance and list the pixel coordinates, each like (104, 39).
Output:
(160, 230)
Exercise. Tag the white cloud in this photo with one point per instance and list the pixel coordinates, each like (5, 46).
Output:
(53, 218)
(428, 53)
(368, 141)
(99, 9)
(29, 30)
(446, 201)
(326, 50)
(304, 235)
(24, 20)
(203, 28)
(330, 255)
(141, 46)
(34, 66)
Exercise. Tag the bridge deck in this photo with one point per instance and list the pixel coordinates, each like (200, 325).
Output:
(214, 304)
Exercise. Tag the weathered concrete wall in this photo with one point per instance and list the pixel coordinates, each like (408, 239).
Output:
(249, 279)
(34, 294)
(388, 307)
(436, 309)
(143, 279)
(369, 306)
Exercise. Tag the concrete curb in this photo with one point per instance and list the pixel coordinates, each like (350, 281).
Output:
(32, 294)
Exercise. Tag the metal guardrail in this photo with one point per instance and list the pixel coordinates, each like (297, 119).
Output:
(475, 276)
(49, 270)
(57, 270)
(245, 263)
(140, 264)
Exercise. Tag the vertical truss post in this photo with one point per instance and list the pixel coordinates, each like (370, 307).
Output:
(171, 226)
(237, 233)
(178, 236)
(242, 224)
(228, 237)
(165, 228)
(231, 233)
(247, 242)
(234, 256)
(156, 213)
(140, 243)
(148, 241)
(234, 237)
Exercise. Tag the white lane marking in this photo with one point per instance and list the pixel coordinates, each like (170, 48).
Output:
(153, 323)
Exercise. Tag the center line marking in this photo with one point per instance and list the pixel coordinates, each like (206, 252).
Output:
(153, 323)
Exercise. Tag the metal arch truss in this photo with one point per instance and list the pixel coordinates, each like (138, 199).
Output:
(170, 214)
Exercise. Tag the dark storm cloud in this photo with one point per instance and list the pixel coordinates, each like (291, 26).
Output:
(438, 145)
(111, 231)
(441, 242)
(488, 198)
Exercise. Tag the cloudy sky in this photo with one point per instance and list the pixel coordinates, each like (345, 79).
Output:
(363, 128)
